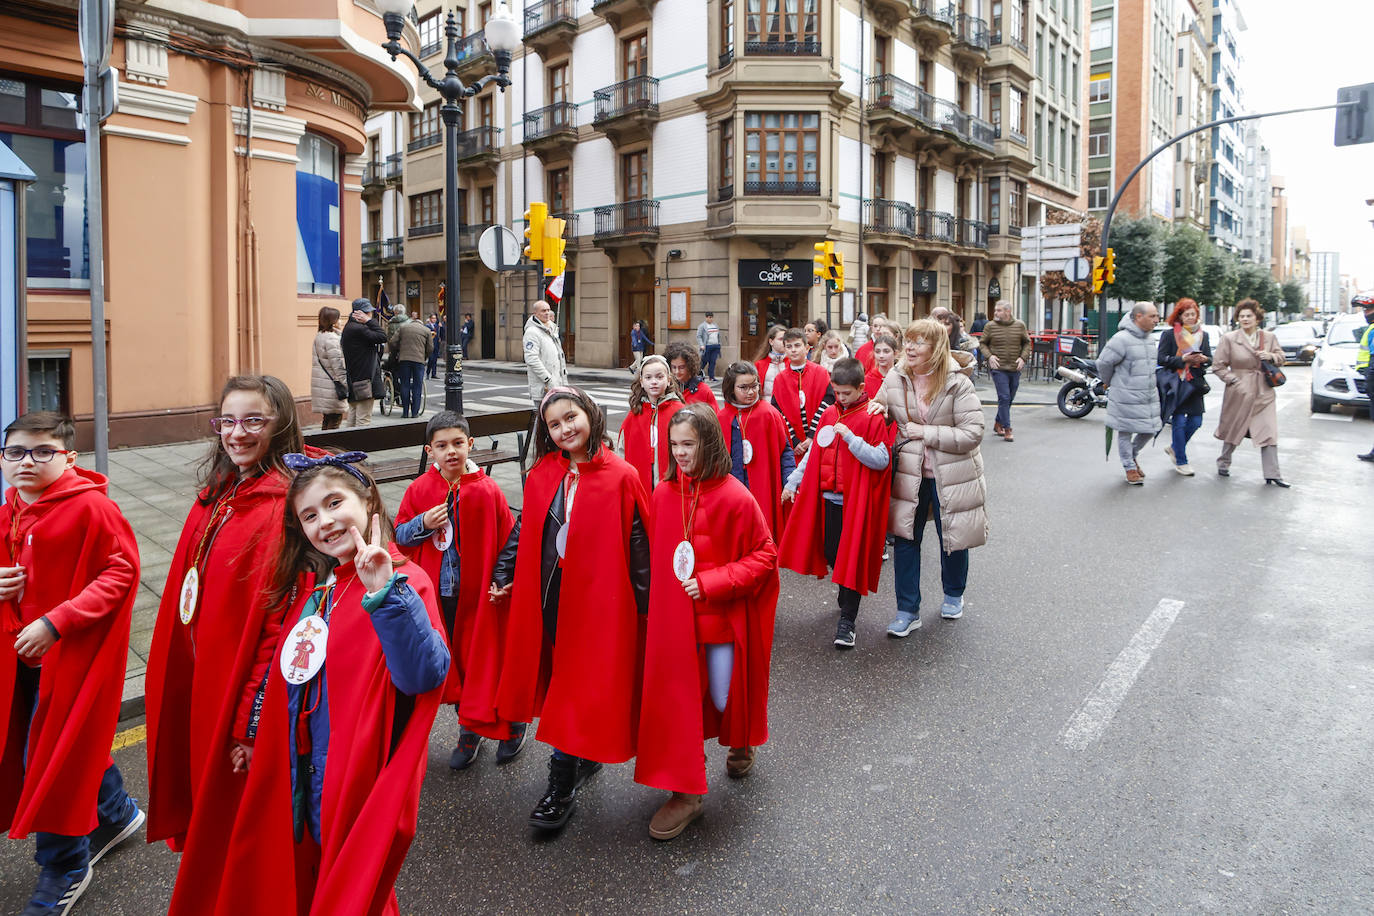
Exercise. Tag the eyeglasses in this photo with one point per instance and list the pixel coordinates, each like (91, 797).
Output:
(753, 387)
(225, 425)
(42, 455)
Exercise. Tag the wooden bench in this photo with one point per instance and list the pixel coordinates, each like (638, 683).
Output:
(383, 438)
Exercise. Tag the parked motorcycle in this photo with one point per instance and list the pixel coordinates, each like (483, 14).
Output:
(1082, 390)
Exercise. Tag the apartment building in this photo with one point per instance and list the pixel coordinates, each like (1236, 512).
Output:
(1324, 285)
(1279, 265)
(1192, 102)
(1257, 229)
(699, 150)
(1226, 190)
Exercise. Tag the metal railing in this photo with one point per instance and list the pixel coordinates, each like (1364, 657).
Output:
(804, 47)
(380, 251)
(783, 188)
(419, 232)
(998, 37)
(425, 142)
(480, 141)
(725, 192)
(544, 122)
(631, 218)
(638, 93)
(468, 236)
(473, 46)
(374, 173)
(973, 31)
(893, 217)
(980, 132)
(934, 226)
(931, 9)
(545, 13)
(432, 47)
(570, 230)
(971, 233)
(1017, 135)
(887, 91)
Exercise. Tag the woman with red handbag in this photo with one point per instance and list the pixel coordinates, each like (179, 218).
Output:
(1248, 404)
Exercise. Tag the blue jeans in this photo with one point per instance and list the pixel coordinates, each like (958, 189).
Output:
(907, 556)
(432, 370)
(1184, 427)
(410, 376)
(1006, 381)
(708, 360)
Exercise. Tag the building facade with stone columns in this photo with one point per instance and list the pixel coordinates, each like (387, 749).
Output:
(232, 171)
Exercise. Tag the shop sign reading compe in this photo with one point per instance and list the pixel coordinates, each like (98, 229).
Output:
(766, 274)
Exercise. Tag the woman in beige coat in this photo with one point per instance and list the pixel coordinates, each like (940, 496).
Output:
(327, 367)
(938, 469)
(1247, 405)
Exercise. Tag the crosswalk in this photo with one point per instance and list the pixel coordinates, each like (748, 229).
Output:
(612, 400)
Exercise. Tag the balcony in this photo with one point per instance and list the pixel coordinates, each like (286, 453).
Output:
(970, 41)
(890, 12)
(552, 130)
(971, 233)
(627, 111)
(899, 110)
(781, 188)
(1009, 51)
(933, 23)
(622, 13)
(934, 226)
(804, 47)
(475, 59)
(479, 147)
(383, 251)
(1004, 243)
(629, 223)
(971, 131)
(888, 224)
(425, 142)
(550, 26)
(426, 230)
(467, 239)
(570, 231)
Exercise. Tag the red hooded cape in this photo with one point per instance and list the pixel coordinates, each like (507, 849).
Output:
(765, 430)
(814, 383)
(82, 564)
(585, 684)
(202, 677)
(703, 395)
(371, 791)
(477, 637)
(860, 558)
(634, 432)
(865, 355)
(873, 381)
(736, 567)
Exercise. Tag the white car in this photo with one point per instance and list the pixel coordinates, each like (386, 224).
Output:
(1334, 379)
(1299, 340)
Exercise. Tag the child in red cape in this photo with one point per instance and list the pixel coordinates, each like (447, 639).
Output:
(756, 436)
(333, 785)
(802, 392)
(841, 492)
(575, 643)
(714, 595)
(884, 358)
(654, 398)
(770, 360)
(214, 632)
(455, 520)
(685, 363)
(68, 578)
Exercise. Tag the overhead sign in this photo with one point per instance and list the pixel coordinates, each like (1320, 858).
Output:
(1047, 247)
(780, 274)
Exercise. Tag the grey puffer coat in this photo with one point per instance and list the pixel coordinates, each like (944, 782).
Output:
(327, 360)
(1127, 365)
(953, 429)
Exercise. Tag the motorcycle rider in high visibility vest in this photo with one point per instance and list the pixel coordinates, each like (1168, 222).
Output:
(1363, 364)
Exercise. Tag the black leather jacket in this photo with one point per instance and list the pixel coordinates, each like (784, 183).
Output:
(551, 573)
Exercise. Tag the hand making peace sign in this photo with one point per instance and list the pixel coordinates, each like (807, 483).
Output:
(373, 561)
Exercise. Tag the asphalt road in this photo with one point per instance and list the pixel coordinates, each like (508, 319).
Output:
(1158, 700)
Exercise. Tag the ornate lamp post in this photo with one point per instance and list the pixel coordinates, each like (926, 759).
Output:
(503, 37)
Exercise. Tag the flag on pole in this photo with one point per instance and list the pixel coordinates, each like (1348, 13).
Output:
(442, 285)
(383, 302)
(555, 290)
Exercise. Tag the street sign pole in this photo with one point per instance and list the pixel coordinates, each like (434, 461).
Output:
(96, 31)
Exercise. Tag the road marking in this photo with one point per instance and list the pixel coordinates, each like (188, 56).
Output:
(506, 399)
(1337, 417)
(1092, 718)
(130, 737)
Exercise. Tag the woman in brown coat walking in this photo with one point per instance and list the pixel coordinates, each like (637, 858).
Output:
(1247, 405)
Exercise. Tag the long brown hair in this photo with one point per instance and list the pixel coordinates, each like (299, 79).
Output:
(637, 394)
(713, 455)
(297, 555)
(766, 346)
(596, 419)
(218, 473)
(932, 332)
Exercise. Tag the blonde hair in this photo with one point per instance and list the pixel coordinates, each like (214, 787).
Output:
(931, 331)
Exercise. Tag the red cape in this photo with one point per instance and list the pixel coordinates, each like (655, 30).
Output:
(736, 567)
(370, 798)
(766, 431)
(703, 395)
(584, 684)
(860, 558)
(200, 674)
(814, 383)
(82, 562)
(478, 635)
(634, 432)
(865, 355)
(873, 381)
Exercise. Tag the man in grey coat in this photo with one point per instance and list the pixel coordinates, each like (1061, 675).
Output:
(545, 364)
(1127, 367)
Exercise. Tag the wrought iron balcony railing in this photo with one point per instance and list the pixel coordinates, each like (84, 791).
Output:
(932, 9)
(473, 46)
(934, 226)
(380, 251)
(803, 47)
(638, 93)
(893, 217)
(468, 236)
(998, 37)
(887, 91)
(973, 31)
(419, 232)
(424, 142)
(544, 122)
(971, 233)
(480, 141)
(783, 188)
(545, 14)
(633, 218)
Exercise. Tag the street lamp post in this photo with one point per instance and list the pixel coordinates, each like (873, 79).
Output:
(503, 37)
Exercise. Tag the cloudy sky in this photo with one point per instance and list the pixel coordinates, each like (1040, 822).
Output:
(1298, 54)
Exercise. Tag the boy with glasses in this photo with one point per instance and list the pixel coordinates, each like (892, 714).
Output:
(68, 577)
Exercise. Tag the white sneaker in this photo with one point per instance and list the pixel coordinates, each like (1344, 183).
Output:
(1169, 450)
(1184, 470)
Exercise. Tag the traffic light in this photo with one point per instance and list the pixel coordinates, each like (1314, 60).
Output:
(1109, 267)
(838, 270)
(554, 243)
(1098, 271)
(824, 260)
(534, 230)
(1354, 123)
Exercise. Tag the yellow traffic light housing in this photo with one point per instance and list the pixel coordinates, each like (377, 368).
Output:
(837, 269)
(534, 230)
(823, 264)
(1097, 274)
(1109, 267)
(554, 243)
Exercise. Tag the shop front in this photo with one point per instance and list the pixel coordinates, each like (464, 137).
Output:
(771, 292)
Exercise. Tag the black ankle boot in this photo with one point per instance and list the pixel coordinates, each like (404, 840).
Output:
(554, 809)
(586, 769)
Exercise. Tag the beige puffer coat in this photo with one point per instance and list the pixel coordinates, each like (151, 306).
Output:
(327, 360)
(953, 430)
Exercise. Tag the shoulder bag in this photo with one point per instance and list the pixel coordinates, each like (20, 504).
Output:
(340, 389)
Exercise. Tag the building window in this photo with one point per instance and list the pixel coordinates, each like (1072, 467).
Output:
(485, 115)
(1018, 113)
(431, 34)
(424, 128)
(486, 199)
(1099, 137)
(882, 50)
(727, 156)
(318, 267)
(995, 108)
(1100, 37)
(635, 56)
(995, 204)
(426, 211)
(560, 191)
(634, 175)
(1016, 192)
(1099, 190)
(1073, 88)
(727, 31)
(783, 21)
(924, 77)
(558, 84)
(1100, 87)
(1039, 137)
(880, 167)
(782, 151)
(48, 139)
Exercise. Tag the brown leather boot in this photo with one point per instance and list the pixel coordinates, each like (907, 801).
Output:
(739, 762)
(676, 813)
(1134, 477)
(1006, 434)
(997, 428)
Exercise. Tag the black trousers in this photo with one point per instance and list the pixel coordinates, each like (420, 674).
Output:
(834, 525)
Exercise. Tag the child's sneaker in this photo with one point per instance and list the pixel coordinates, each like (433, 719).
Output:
(108, 836)
(903, 624)
(469, 743)
(953, 608)
(57, 892)
(506, 750)
(844, 634)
